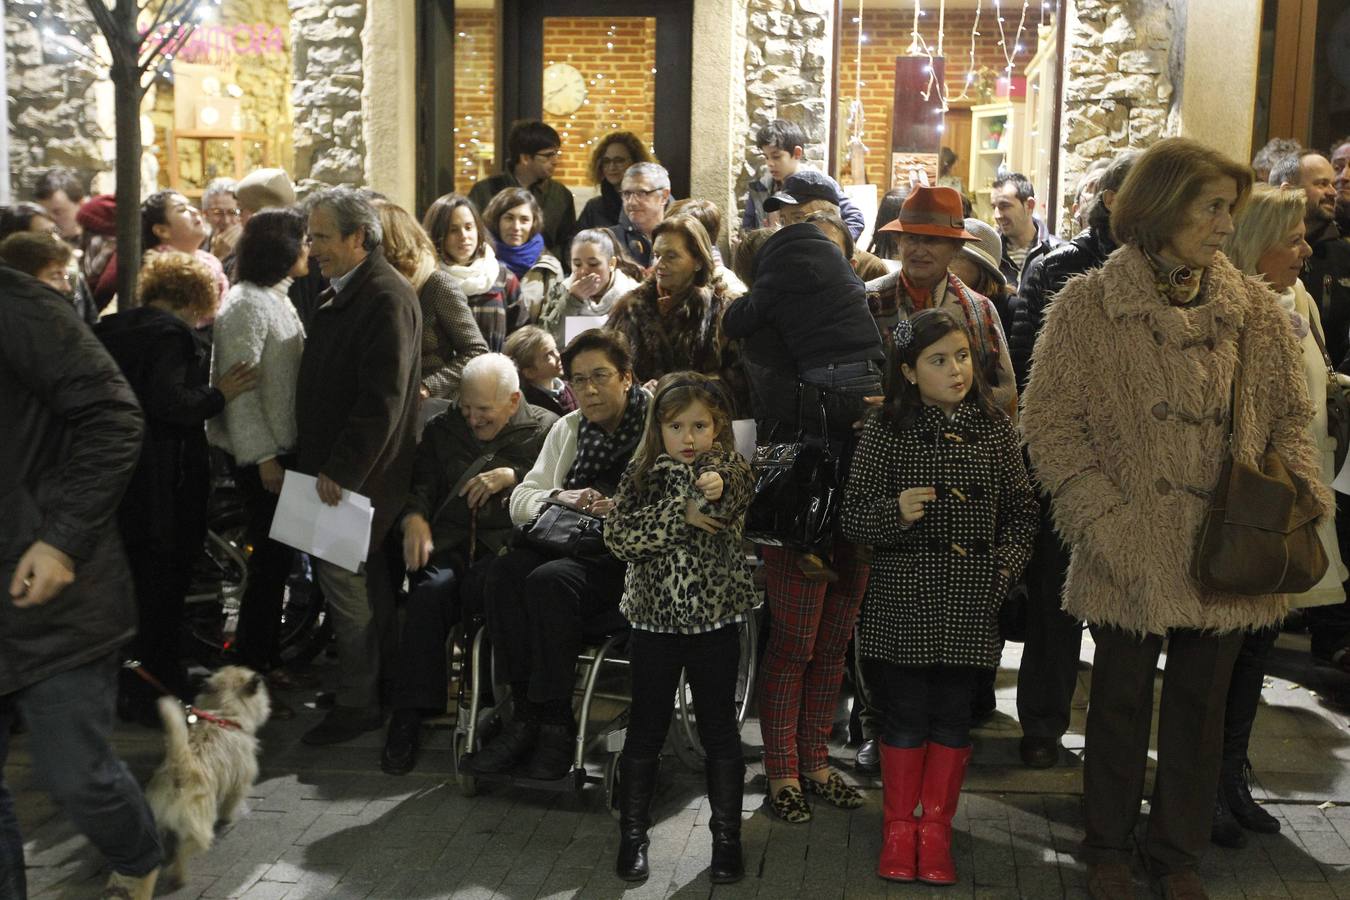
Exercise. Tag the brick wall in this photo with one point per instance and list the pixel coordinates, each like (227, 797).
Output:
(618, 59)
(887, 33)
(475, 90)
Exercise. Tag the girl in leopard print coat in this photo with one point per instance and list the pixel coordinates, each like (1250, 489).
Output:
(678, 521)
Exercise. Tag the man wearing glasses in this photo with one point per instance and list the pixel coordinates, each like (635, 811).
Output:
(533, 150)
(646, 194)
(220, 208)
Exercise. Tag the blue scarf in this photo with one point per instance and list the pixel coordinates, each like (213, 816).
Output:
(521, 259)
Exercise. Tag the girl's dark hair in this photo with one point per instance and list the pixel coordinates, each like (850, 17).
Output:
(155, 211)
(271, 243)
(436, 222)
(886, 244)
(19, 218)
(674, 392)
(509, 199)
(903, 403)
(614, 344)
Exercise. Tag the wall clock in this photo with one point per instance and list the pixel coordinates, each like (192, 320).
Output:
(564, 89)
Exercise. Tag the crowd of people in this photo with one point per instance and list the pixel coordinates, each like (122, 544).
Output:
(1010, 414)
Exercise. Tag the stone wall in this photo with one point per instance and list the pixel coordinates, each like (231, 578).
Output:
(787, 75)
(326, 93)
(1118, 82)
(52, 103)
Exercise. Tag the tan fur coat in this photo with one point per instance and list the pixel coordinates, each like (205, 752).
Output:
(1125, 417)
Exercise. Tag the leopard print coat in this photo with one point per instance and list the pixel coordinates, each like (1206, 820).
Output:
(681, 578)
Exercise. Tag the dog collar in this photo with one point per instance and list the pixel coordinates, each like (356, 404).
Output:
(194, 715)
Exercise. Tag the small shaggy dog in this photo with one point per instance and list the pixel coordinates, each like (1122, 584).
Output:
(209, 765)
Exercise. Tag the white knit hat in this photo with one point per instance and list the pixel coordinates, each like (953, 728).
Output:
(986, 249)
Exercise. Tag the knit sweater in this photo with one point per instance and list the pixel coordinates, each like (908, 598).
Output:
(258, 326)
(682, 579)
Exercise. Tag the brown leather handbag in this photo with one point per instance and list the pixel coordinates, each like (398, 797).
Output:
(1259, 534)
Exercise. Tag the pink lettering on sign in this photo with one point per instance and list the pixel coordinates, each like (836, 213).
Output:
(220, 44)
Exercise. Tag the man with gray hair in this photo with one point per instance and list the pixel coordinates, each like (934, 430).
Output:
(645, 191)
(220, 208)
(454, 523)
(356, 418)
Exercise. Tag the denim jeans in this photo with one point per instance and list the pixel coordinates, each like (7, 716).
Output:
(927, 703)
(69, 718)
(843, 387)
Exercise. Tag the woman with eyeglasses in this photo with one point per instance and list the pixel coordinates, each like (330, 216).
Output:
(465, 249)
(612, 156)
(537, 606)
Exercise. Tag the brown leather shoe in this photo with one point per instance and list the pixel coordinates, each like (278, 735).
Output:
(1110, 881)
(1184, 886)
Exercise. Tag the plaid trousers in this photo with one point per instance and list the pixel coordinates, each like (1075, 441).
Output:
(810, 625)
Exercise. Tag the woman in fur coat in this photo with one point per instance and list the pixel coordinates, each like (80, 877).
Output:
(673, 320)
(1126, 417)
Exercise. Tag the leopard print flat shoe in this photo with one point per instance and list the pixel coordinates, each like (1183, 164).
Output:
(789, 804)
(835, 791)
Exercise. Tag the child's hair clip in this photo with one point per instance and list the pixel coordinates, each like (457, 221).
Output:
(903, 334)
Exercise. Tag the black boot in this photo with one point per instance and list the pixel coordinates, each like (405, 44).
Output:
(1235, 786)
(637, 784)
(726, 789)
(1225, 830)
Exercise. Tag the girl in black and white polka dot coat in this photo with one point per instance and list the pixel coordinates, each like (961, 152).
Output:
(939, 489)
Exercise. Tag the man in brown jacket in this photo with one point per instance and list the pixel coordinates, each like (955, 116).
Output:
(356, 411)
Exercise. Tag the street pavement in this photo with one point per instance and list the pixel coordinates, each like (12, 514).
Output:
(325, 822)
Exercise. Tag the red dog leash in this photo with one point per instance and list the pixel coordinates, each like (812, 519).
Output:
(192, 713)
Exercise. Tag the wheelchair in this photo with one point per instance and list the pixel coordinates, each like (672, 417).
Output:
(602, 696)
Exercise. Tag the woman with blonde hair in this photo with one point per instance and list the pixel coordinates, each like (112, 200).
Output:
(1127, 418)
(1268, 242)
(450, 336)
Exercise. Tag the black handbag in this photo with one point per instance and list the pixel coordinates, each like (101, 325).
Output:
(798, 488)
(1338, 403)
(561, 530)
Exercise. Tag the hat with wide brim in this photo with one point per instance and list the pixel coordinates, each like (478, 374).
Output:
(933, 211)
(986, 249)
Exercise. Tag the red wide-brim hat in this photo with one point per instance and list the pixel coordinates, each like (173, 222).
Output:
(932, 210)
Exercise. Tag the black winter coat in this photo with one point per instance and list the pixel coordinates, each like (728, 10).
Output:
(72, 437)
(445, 460)
(1326, 275)
(357, 392)
(935, 589)
(168, 366)
(1041, 280)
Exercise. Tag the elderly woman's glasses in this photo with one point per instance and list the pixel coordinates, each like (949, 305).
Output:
(599, 378)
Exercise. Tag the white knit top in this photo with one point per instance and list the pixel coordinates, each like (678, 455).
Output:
(259, 326)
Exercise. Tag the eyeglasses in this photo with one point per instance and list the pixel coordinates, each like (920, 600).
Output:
(609, 161)
(549, 154)
(222, 213)
(599, 378)
(634, 195)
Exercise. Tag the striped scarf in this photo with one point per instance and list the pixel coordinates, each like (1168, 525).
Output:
(976, 309)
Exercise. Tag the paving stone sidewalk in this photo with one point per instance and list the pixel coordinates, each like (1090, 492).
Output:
(326, 823)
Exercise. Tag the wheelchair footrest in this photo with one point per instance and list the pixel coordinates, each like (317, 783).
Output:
(574, 780)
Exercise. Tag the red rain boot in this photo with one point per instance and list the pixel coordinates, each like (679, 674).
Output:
(901, 775)
(943, 771)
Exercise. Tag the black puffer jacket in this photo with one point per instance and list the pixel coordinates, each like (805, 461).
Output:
(72, 437)
(1043, 278)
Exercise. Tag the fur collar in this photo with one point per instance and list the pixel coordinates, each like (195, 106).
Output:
(1130, 291)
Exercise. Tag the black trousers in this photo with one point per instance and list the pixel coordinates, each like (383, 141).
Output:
(1049, 669)
(710, 662)
(926, 703)
(1190, 736)
(438, 598)
(259, 637)
(538, 610)
(161, 580)
(1244, 692)
(1329, 626)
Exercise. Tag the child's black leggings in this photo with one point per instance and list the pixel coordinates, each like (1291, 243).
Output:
(710, 662)
(926, 703)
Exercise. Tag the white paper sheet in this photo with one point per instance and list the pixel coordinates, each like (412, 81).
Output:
(744, 432)
(1342, 481)
(575, 325)
(336, 534)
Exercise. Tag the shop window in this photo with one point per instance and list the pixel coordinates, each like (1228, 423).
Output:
(475, 102)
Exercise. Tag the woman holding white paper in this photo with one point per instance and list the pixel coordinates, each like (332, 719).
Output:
(260, 326)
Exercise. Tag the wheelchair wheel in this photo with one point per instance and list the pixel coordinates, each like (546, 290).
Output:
(468, 784)
(611, 784)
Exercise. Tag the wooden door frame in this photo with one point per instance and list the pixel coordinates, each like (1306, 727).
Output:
(1291, 83)
(522, 66)
(436, 111)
